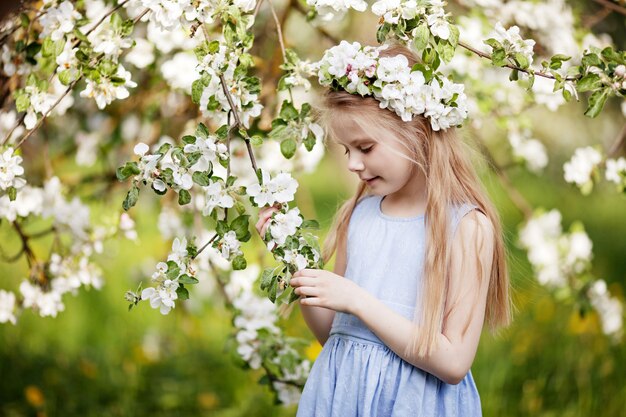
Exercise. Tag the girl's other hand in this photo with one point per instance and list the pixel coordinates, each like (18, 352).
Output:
(326, 289)
(264, 215)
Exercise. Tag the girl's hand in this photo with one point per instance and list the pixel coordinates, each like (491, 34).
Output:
(326, 289)
(264, 216)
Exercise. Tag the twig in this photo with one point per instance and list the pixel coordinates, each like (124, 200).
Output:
(596, 18)
(15, 126)
(238, 121)
(614, 7)
(205, 246)
(618, 143)
(279, 29)
(30, 255)
(69, 88)
(514, 67)
(116, 8)
(257, 8)
(516, 197)
(296, 5)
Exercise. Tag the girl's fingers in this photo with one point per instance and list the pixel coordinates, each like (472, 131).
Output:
(307, 291)
(303, 281)
(264, 215)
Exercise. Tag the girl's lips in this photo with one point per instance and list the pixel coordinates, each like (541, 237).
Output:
(372, 180)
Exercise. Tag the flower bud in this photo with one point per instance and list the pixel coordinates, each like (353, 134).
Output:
(620, 71)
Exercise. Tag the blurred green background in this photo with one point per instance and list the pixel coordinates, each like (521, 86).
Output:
(98, 359)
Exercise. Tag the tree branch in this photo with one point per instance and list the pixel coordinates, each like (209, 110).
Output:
(612, 6)
(618, 143)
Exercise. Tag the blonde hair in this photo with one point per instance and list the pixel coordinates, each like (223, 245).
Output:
(450, 180)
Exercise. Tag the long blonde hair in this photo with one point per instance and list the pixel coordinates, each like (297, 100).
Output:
(450, 179)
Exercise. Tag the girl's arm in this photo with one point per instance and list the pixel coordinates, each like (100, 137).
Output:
(320, 319)
(465, 306)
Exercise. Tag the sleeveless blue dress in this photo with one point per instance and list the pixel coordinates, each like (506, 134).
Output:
(355, 374)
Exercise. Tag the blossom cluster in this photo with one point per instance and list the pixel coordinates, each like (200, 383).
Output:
(70, 267)
(11, 171)
(218, 60)
(280, 189)
(616, 172)
(514, 46)
(335, 9)
(170, 278)
(609, 309)
(580, 168)
(527, 149)
(359, 70)
(562, 262)
(432, 11)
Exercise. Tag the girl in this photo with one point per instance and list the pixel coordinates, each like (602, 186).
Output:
(420, 264)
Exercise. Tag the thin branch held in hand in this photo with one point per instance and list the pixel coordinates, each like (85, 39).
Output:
(238, 121)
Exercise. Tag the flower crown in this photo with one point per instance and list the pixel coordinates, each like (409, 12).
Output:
(359, 70)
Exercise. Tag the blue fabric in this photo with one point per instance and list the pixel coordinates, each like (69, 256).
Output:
(355, 373)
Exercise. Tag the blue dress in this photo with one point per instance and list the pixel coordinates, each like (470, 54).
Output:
(355, 374)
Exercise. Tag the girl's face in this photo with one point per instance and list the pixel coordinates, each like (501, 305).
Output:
(379, 160)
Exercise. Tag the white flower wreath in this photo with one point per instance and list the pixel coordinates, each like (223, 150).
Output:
(359, 70)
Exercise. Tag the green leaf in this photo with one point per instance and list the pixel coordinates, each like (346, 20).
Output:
(454, 36)
(272, 292)
(522, 60)
(32, 49)
(240, 226)
(202, 131)
(596, 102)
(288, 148)
(22, 102)
(47, 48)
(130, 168)
(422, 36)
(498, 57)
(184, 197)
(164, 148)
(201, 178)
(591, 59)
(222, 132)
(288, 111)
(278, 132)
(131, 198)
(588, 83)
(382, 32)
(266, 278)
(187, 279)
(197, 87)
(239, 263)
(310, 224)
(65, 77)
(12, 192)
(514, 76)
(256, 140)
(182, 293)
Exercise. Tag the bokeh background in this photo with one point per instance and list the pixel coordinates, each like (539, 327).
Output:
(99, 359)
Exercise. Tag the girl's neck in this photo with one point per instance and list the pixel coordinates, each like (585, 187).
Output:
(409, 201)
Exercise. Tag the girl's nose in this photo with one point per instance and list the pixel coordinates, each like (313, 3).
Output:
(355, 164)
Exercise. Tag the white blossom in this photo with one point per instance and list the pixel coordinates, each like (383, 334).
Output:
(57, 21)
(280, 189)
(173, 75)
(513, 42)
(331, 9)
(7, 307)
(142, 53)
(229, 246)
(528, 149)
(11, 170)
(284, 225)
(609, 309)
(616, 170)
(162, 297)
(578, 170)
(216, 196)
(104, 91)
(127, 225)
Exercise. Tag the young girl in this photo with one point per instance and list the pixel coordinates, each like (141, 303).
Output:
(420, 264)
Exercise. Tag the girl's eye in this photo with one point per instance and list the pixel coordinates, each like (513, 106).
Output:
(366, 150)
